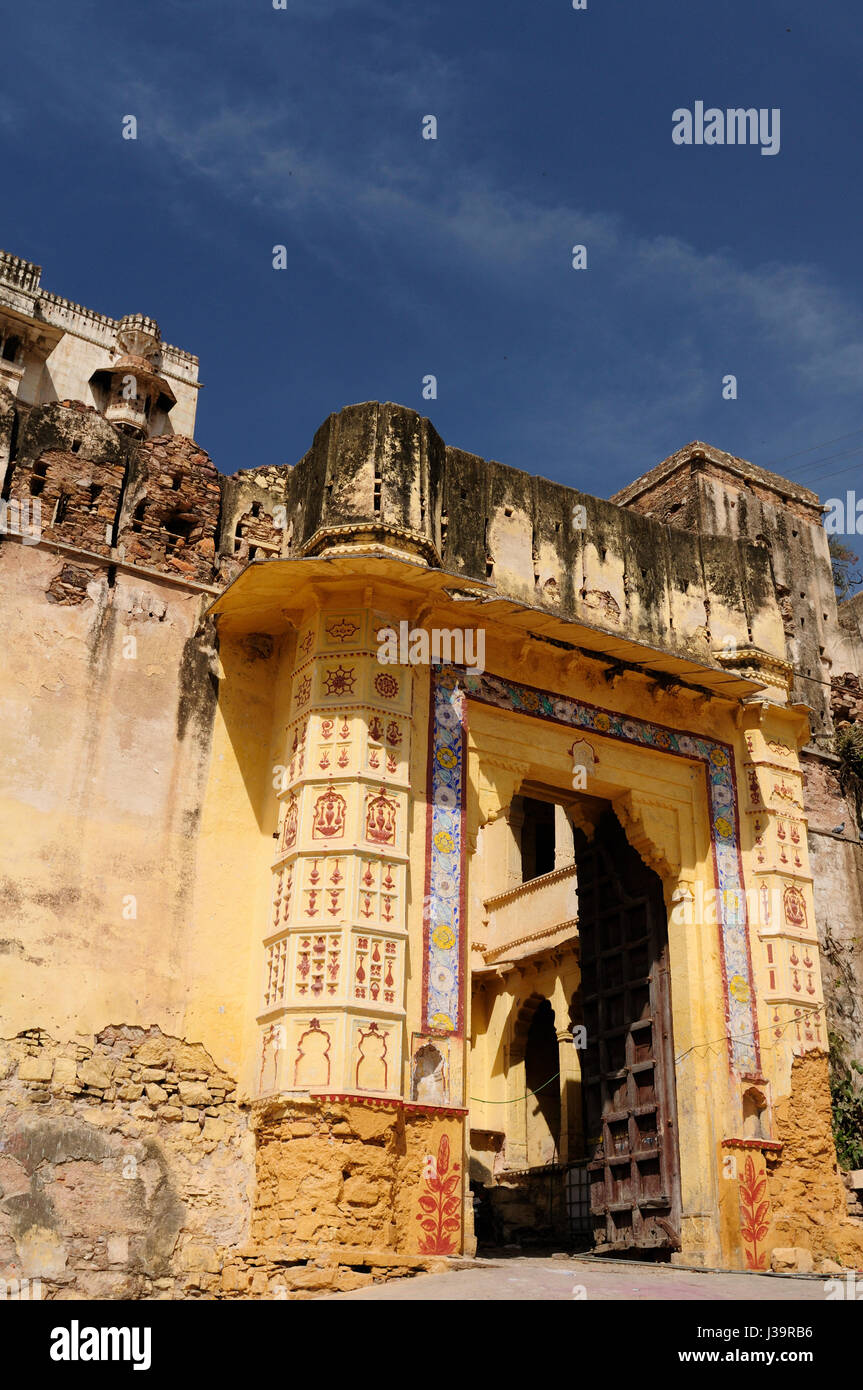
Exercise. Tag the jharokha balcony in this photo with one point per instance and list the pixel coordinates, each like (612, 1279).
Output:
(531, 917)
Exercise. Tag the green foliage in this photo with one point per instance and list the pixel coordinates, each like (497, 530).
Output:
(848, 745)
(847, 1098)
(846, 578)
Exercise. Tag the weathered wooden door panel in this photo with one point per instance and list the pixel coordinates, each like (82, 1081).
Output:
(628, 1066)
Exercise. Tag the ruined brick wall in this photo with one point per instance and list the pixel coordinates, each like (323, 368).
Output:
(171, 509)
(254, 520)
(672, 499)
(70, 461)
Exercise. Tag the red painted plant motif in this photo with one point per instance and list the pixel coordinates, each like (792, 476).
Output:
(753, 1211)
(439, 1205)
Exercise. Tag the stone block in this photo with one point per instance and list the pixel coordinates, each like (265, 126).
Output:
(156, 1095)
(96, 1072)
(153, 1052)
(118, 1250)
(199, 1259)
(368, 1124)
(38, 1068)
(195, 1093)
(792, 1259)
(65, 1073)
(361, 1193)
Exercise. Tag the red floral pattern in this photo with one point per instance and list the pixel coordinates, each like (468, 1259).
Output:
(754, 1211)
(439, 1206)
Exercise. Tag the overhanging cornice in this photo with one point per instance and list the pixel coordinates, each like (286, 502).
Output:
(270, 595)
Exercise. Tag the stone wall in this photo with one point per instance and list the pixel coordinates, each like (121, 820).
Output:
(126, 1165)
(807, 1196)
(351, 1173)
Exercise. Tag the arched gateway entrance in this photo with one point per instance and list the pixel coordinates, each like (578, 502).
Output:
(584, 1148)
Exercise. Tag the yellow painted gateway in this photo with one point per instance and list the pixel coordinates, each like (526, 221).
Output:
(326, 958)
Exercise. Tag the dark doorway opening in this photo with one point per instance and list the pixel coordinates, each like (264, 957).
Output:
(630, 1110)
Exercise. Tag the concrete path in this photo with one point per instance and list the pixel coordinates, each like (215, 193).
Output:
(555, 1280)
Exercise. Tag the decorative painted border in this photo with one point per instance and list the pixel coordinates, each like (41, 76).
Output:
(443, 904)
(444, 915)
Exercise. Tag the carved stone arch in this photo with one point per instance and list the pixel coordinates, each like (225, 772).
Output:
(521, 1027)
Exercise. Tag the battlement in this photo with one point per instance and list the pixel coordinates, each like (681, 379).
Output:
(24, 275)
(53, 348)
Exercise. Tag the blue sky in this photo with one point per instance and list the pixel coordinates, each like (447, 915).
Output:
(453, 257)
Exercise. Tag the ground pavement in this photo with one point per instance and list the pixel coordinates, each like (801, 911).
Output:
(570, 1277)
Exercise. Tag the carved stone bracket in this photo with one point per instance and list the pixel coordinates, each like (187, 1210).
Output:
(497, 783)
(653, 828)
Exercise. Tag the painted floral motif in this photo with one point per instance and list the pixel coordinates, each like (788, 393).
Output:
(439, 1205)
(289, 824)
(442, 1001)
(386, 685)
(328, 821)
(342, 629)
(794, 904)
(381, 819)
(340, 681)
(754, 1209)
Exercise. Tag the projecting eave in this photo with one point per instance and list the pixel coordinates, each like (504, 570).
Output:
(270, 595)
(44, 334)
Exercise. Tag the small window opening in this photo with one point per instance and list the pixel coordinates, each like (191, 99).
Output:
(138, 516)
(537, 839)
(37, 481)
(177, 530)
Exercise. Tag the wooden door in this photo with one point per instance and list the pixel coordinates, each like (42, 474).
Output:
(628, 1086)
